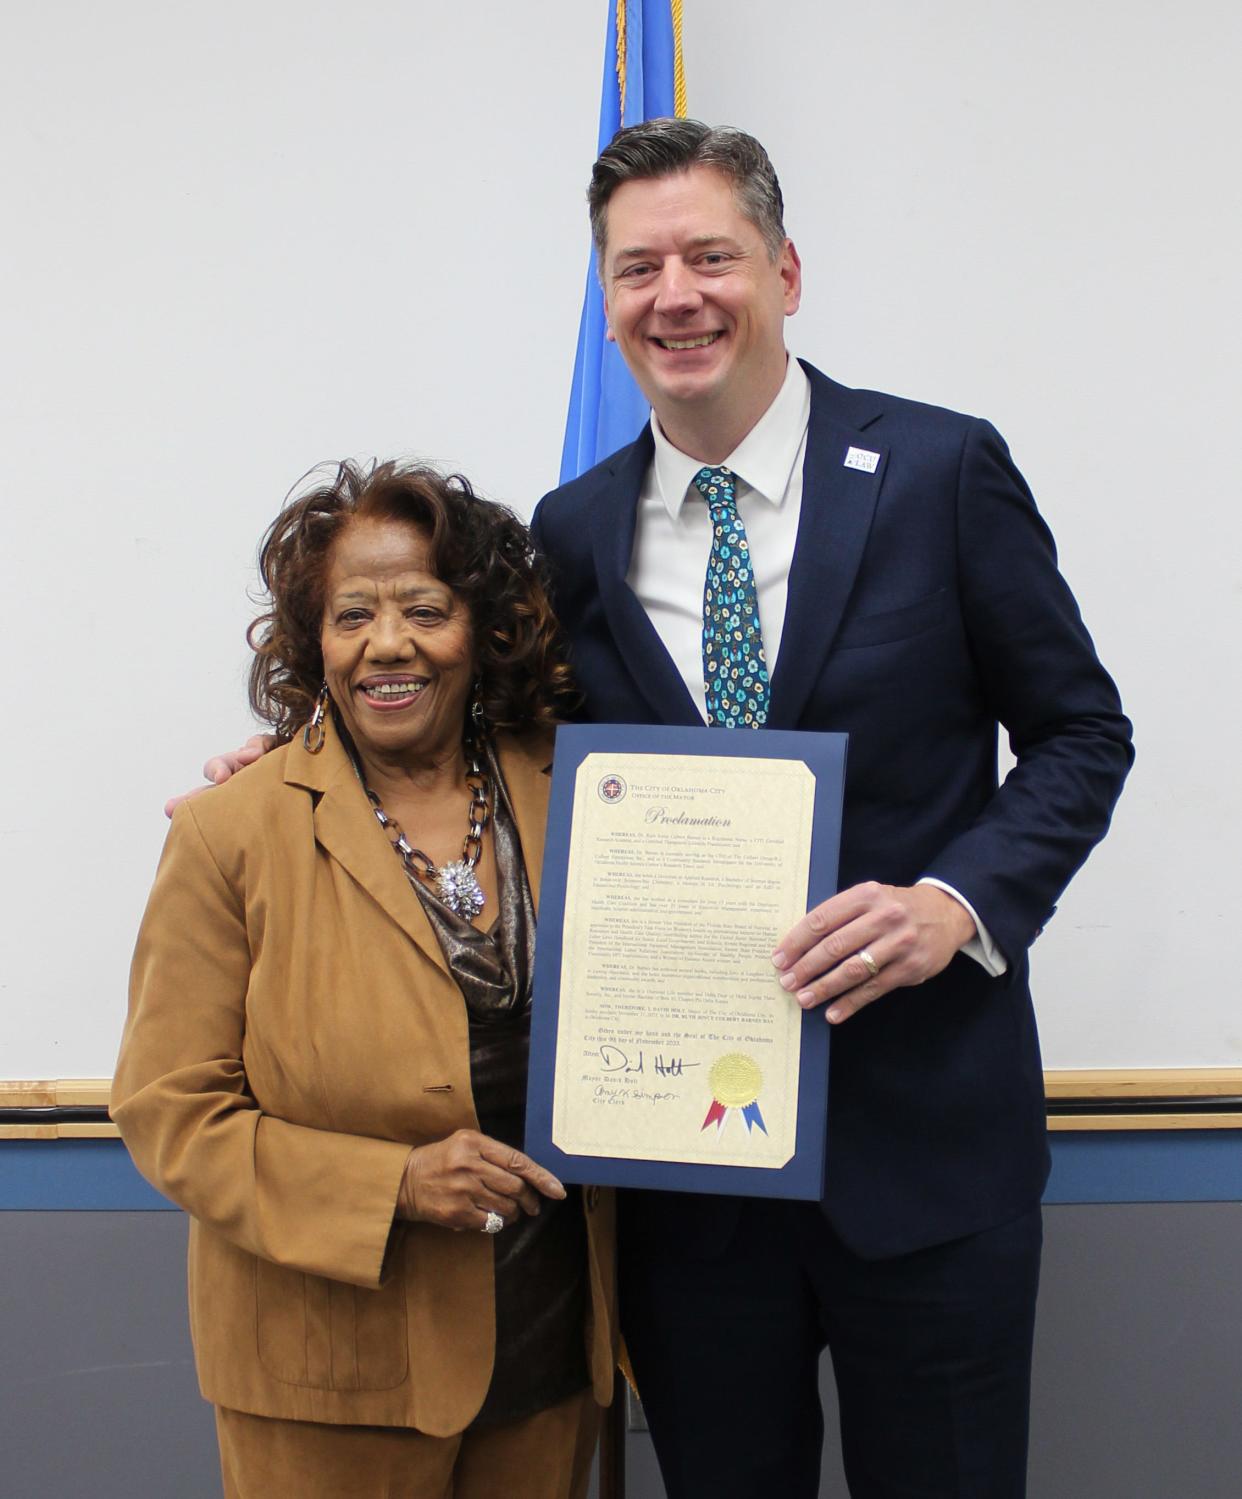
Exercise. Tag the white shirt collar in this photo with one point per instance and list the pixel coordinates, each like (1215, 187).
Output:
(763, 460)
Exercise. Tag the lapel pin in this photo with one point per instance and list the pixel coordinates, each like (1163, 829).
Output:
(862, 458)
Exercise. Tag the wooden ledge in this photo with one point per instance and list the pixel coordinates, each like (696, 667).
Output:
(64, 1093)
(1100, 1094)
(1115, 1083)
(32, 1096)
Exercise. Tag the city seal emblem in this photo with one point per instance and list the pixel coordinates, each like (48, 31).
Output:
(735, 1082)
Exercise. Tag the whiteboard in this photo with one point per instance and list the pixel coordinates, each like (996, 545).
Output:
(242, 239)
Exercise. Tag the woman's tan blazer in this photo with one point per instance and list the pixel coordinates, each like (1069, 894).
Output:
(293, 1030)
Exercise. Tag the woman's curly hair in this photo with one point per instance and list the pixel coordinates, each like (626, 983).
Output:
(481, 550)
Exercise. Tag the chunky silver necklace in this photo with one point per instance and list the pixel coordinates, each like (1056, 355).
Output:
(456, 884)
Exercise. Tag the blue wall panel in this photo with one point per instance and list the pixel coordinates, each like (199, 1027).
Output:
(74, 1176)
(1087, 1166)
(1193, 1165)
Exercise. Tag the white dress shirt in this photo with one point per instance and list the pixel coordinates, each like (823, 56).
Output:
(673, 541)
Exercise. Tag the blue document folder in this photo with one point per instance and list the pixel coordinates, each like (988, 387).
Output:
(803, 1175)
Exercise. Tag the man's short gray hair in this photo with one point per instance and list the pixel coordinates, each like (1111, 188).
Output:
(661, 148)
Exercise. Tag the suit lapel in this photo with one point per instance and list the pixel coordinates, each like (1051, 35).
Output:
(614, 514)
(526, 766)
(345, 828)
(838, 504)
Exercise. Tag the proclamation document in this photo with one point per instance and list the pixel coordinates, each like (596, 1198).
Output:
(673, 1055)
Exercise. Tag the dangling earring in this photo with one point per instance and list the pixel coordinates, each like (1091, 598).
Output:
(313, 734)
(478, 719)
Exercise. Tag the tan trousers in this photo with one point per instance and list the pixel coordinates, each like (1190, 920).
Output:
(547, 1456)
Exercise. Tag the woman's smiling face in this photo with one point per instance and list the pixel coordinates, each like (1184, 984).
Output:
(398, 644)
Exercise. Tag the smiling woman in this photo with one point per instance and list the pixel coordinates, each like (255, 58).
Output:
(479, 551)
(398, 653)
(415, 592)
(325, 1058)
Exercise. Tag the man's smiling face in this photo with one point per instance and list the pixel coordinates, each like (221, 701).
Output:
(696, 304)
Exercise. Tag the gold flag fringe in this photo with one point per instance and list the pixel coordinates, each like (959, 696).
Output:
(679, 71)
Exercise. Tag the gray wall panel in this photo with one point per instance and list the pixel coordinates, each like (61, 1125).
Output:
(1138, 1365)
(1138, 1358)
(100, 1396)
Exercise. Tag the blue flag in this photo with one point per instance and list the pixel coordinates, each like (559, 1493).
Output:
(642, 81)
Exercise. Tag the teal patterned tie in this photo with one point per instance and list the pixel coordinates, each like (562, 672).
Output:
(735, 670)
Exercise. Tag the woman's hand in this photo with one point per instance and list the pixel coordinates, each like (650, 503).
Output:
(457, 1182)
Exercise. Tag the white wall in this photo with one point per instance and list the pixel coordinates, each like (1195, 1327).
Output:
(241, 239)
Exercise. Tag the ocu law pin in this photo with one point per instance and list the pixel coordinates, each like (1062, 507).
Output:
(863, 459)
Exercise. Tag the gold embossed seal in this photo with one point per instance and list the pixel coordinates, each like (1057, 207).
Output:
(735, 1081)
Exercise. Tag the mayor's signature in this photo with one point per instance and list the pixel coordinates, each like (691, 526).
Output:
(612, 1059)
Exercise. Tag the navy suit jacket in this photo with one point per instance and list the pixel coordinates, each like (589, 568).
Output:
(924, 608)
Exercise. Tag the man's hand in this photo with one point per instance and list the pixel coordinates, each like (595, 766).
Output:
(457, 1182)
(909, 933)
(220, 767)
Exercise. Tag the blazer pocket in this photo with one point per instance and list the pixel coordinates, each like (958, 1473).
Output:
(327, 1335)
(895, 624)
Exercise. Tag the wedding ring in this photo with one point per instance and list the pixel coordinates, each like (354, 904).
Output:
(869, 963)
(494, 1223)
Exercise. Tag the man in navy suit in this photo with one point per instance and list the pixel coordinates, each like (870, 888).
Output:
(907, 593)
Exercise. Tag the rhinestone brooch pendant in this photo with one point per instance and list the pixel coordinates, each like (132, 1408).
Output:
(458, 888)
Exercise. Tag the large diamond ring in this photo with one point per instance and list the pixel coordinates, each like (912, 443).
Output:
(868, 962)
(494, 1223)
